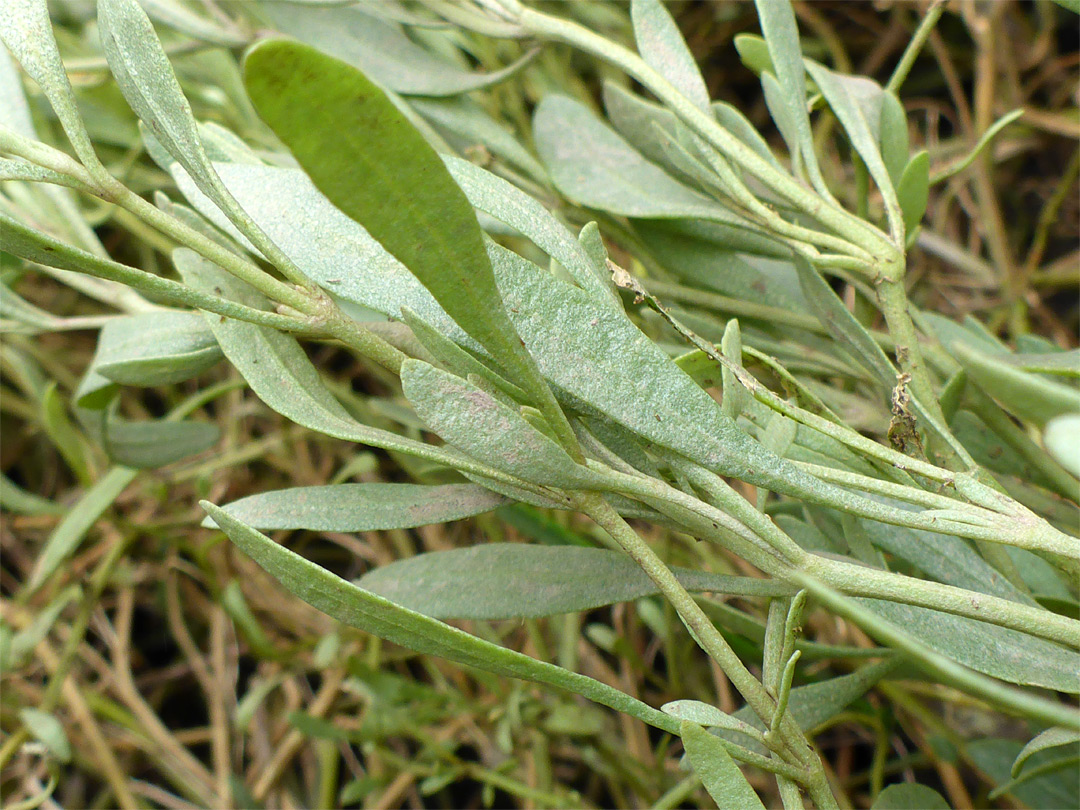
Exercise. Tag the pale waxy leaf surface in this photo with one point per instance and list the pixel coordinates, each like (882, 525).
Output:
(514, 580)
(509, 204)
(14, 108)
(1062, 439)
(781, 113)
(909, 796)
(995, 651)
(146, 78)
(27, 32)
(378, 48)
(466, 119)
(481, 426)
(663, 48)
(330, 247)
(156, 348)
(705, 714)
(845, 95)
(732, 119)
(358, 608)
(362, 507)
(156, 443)
(47, 730)
(717, 770)
(592, 165)
(777, 18)
(639, 121)
(374, 165)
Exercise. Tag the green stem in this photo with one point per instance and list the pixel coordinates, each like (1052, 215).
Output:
(918, 39)
(703, 630)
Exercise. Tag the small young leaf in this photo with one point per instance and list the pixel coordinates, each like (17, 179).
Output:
(781, 33)
(717, 770)
(663, 48)
(893, 136)
(478, 424)
(513, 580)
(358, 608)
(754, 53)
(845, 95)
(361, 507)
(732, 119)
(913, 190)
(48, 731)
(909, 796)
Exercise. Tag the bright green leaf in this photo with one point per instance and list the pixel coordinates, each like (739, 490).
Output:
(909, 796)
(913, 190)
(48, 731)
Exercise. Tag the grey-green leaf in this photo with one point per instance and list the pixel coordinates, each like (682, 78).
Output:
(359, 608)
(592, 165)
(663, 48)
(483, 427)
(996, 651)
(362, 507)
(893, 136)
(1025, 395)
(374, 165)
(378, 48)
(717, 770)
(27, 32)
(151, 444)
(512, 580)
(509, 204)
(156, 348)
(845, 95)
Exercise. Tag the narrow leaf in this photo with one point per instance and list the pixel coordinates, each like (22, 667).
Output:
(509, 204)
(595, 167)
(379, 48)
(27, 32)
(512, 580)
(361, 507)
(842, 93)
(663, 48)
(363, 154)
(913, 190)
(478, 424)
(717, 770)
(893, 135)
(358, 608)
(1025, 395)
(157, 443)
(781, 33)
